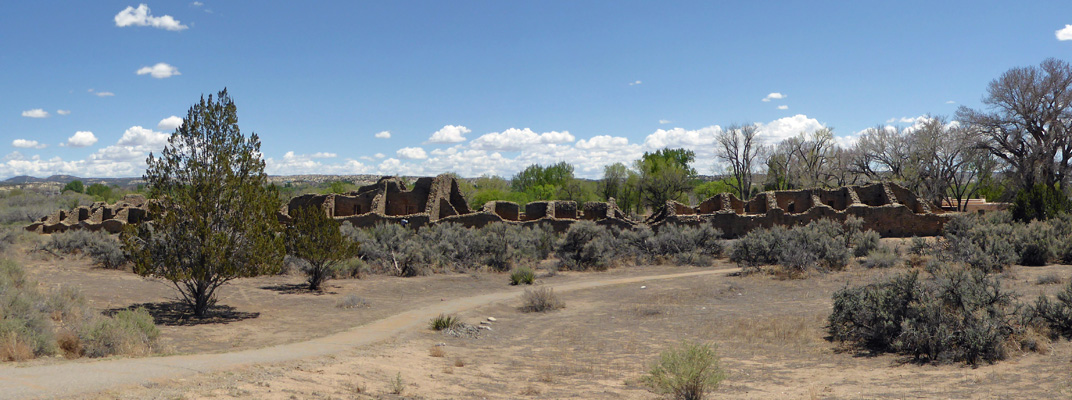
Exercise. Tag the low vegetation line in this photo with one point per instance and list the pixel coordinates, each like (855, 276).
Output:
(41, 381)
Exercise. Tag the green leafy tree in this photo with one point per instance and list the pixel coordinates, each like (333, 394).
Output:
(315, 237)
(214, 216)
(665, 175)
(543, 180)
(613, 182)
(100, 191)
(74, 186)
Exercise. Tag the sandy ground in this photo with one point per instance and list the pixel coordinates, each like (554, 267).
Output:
(769, 332)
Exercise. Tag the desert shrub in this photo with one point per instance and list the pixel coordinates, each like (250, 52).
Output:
(26, 329)
(865, 242)
(882, 257)
(498, 245)
(587, 246)
(918, 246)
(961, 314)
(686, 372)
(1055, 314)
(540, 300)
(391, 248)
(638, 244)
(534, 243)
(870, 316)
(22, 207)
(351, 301)
(758, 247)
(128, 332)
(8, 237)
(523, 275)
(1049, 279)
(814, 245)
(351, 268)
(687, 244)
(443, 321)
(454, 246)
(103, 249)
(984, 244)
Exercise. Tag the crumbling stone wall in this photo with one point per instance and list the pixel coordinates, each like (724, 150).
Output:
(133, 209)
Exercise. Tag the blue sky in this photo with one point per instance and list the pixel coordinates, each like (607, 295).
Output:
(489, 87)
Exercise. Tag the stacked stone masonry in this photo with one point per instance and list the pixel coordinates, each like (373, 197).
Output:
(886, 208)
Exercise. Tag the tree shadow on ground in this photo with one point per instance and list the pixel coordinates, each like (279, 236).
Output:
(177, 313)
(297, 288)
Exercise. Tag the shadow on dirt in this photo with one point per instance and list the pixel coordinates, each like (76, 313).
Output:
(175, 313)
(296, 288)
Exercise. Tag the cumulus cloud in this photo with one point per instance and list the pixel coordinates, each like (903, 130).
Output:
(136, 136)
(383, 135)
(27, 144)
(35, 113)
(514, 139)
(322, 154)
(169, 124)
(63, 112)
(159, 71)
(783, 107)
(81, 139)
(784, 128)
(634, 83)
(141, 16)
(411, 153)
(449, 134)
(774, 96)
(300, 164)
(1064, 33)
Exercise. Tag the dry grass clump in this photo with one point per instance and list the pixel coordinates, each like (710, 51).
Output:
(443, 322)
(437, 351)
(686, 372)
(351, 301)
(33, 324)
(540, 300)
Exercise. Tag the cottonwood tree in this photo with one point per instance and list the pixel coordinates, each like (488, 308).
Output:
(315, 238)
(214, 216)
(614, 177)
(665, 175)
(738, 147)
(1027, 122)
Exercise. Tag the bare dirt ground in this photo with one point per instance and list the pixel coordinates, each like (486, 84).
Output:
(769, 332)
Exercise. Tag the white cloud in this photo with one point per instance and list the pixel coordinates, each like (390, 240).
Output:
(783, 107)
(950, 102)
(774, 96)
(379, 155)
(35, 113)
(197, 4)
(105, 94)
(63, 112)
(411, 153)
(140, 16)
(169, 124)
(159, 71)
(664, 121)
(634, 83)
(81, 139)
(449, 134)
(137, 136)
(1064, 33)
(301, 164)
(514, 139)
(602, 142)
(783, 128)
(27, 144)
(383, 135)
(323, 155)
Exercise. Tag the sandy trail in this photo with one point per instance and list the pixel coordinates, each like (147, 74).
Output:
(74, 378)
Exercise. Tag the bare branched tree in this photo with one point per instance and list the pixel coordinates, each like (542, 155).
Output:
(738, 148)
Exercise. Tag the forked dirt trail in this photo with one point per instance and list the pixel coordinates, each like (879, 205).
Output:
(74, 378)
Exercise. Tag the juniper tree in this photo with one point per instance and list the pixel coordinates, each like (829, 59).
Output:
(315, 237)
(213, 213)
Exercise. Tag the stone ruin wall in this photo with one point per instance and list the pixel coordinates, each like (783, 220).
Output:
(111, 218)
(886, 208)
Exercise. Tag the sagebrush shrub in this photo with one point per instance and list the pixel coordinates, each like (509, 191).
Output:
(686, 244)
(758, 247)
(128, 332)
(815, 245)
(103, 249)
(391, 248)
(1056, 314)
(882, 257)
(687, 371)
(540, 300)
(587, 246)
(865, 242)
(870, 316)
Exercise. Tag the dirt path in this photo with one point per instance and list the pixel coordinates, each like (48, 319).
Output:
(73, 378)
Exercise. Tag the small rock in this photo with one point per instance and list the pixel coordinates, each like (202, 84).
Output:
(485, 323)
(643, 287)
(492, 319)
(440, 344)
(484, 327)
